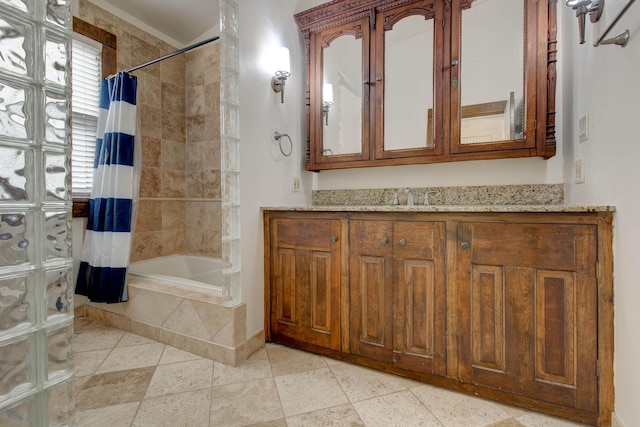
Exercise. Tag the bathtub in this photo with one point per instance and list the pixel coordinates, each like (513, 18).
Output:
(190, 271)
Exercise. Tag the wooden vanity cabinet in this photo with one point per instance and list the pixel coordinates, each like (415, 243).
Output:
(397, 309)
(304, 276)
(516, 307)
(528, 310)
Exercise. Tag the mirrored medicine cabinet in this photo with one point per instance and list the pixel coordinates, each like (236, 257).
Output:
(392, 82)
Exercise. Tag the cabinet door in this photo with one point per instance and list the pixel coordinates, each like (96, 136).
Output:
(397, 290)
(419, 296)
(527, 310)
(305, 280)
(371, 290)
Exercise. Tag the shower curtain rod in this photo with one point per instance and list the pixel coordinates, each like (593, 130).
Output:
(169, 55)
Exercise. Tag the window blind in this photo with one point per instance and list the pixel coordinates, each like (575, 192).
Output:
(85, 97)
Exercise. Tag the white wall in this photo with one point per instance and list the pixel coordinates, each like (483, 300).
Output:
(603, 82)
(265, 175)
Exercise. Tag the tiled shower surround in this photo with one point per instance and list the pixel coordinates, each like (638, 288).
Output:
(189, 189)
(179, 109)
(36, 369)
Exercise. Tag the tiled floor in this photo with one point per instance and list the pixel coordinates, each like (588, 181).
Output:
(126, 380)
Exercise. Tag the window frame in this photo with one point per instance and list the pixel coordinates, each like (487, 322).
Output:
(109, 67)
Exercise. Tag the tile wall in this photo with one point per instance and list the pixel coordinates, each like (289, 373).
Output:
(203, 150)
(178, 106)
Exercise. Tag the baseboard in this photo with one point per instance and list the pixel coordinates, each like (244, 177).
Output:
(615, 421)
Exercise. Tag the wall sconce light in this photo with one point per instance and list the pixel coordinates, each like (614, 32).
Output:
(593, 7)
(283, 70)
(327, 101)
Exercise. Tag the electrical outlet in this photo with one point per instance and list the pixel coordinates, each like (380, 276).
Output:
(296, 184)
(583, 128)
(578, 171)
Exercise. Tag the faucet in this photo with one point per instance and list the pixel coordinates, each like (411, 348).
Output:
(426, 197)
(395, 198)
(409, 194)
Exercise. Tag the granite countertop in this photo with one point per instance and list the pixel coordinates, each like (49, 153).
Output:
(444, 208)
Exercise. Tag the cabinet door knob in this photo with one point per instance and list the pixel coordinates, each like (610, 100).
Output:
(384, 240)
(465, 245)
(334, 239)
(402, 242)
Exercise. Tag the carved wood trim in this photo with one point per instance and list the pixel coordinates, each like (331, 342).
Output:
(552, 59)
(339, 12)
(466, 4)
(327, 38)
(428, 13)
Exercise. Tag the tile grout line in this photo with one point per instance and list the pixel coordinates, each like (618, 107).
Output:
(275, 385)
(345, 393)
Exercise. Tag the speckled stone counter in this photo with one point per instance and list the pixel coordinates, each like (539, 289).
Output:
(534, 194)
(445, 208)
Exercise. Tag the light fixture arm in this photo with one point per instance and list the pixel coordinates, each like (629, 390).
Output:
(277, 84)
(583, 7)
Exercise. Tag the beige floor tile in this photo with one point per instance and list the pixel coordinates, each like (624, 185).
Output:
(79, 382)
(180, 377)
(457, 409)
(332, 362)
(114, 388)
(409, 383)
(400, 409)
(133, 357)
(254, 368)
(84, 324)
(130, 339)
(511, 422)
(109, 416)
(97, 340)
(173, 355)
(361, 383)
(533, 419)
(275, 423)
(514, 411)
(245, 403)
(343, 415)
(116, 370)
(309, 391)
(190, 409)
(286, 360)
(87, 362)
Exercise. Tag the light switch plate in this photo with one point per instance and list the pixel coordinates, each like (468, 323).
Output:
(583, 128)
(296, 184)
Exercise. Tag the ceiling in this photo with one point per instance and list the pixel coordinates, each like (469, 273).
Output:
(184, 21)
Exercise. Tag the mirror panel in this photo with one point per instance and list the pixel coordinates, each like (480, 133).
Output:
(408, 85)
(492, 71)
(342, 96)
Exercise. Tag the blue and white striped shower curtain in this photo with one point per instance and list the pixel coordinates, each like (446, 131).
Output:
(114, 196)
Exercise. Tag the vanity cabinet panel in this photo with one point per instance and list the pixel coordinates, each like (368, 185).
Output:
(305, 280)
(528, 312)
(397, 309)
